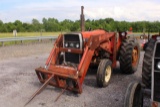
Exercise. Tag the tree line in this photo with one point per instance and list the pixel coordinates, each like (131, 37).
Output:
(53, 25)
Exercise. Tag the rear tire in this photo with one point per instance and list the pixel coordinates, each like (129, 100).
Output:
(129, 56)
(104, 72)
(147, 64)
(145, 46)
(134, 96)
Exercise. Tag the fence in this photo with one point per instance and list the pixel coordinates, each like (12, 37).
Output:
(39, 38)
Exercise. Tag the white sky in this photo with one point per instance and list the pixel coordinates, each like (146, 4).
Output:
(25, 11)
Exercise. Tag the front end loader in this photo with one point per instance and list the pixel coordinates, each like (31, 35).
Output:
(73, 53)
(71, 56)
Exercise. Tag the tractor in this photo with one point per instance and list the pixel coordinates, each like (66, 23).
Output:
(147, 60)
(150, 78)
(73, 53)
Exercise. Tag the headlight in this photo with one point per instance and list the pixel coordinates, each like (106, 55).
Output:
(77, 45)
(123, 33)
(66, 44)
(158, 65)
(158, 38)
(71, 45)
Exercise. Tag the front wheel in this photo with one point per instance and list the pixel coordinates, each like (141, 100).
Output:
(134, 95)
(104, 72)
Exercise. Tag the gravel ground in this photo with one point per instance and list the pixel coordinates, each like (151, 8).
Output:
(18, 81)
(25, 50)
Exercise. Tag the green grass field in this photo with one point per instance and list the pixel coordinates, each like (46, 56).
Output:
(25, 34)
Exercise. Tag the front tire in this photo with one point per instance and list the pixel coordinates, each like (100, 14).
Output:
(147, 64)
(134, 96)
(104, 72)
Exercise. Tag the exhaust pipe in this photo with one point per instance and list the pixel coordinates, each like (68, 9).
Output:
(82, 20)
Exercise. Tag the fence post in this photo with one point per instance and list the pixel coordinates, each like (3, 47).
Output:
(21, 41)
(2, 43)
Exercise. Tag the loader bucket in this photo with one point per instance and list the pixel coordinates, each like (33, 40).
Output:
(64, 77)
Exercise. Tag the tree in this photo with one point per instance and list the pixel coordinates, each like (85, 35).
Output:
(27, 27)
(36, 25)
(52, 24)
(18, 26)
(1, 26)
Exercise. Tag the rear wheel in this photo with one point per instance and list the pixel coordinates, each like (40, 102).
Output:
(129, 56)
(145, 46)
(133, 96)
(104, 72)
(147, 64)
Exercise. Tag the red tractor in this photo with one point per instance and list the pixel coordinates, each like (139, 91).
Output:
(73, 53)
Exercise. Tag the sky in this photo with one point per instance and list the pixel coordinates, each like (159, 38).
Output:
(121, 10)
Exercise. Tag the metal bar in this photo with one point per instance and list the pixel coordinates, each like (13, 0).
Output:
(60, 94)
(52, 52)
(50, 57)
(152, 73)
(59, 71)
(114, 52)
(85, 65)
(82, 60)
(27, 38)
(40, 89)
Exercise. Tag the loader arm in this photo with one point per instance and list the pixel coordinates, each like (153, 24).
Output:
(54, 51)
(93, 43)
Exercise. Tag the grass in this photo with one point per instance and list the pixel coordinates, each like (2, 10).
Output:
(25, 34)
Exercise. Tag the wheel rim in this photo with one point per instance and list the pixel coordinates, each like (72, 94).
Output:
(108, 73)
(135, 56)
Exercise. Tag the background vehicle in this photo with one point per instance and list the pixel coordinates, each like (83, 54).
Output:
(151, 82)
(147, 60)
(149, 38)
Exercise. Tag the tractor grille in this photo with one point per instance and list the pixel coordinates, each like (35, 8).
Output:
(157, 86)
(72, 41)
(157, 53)
(71, 57)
